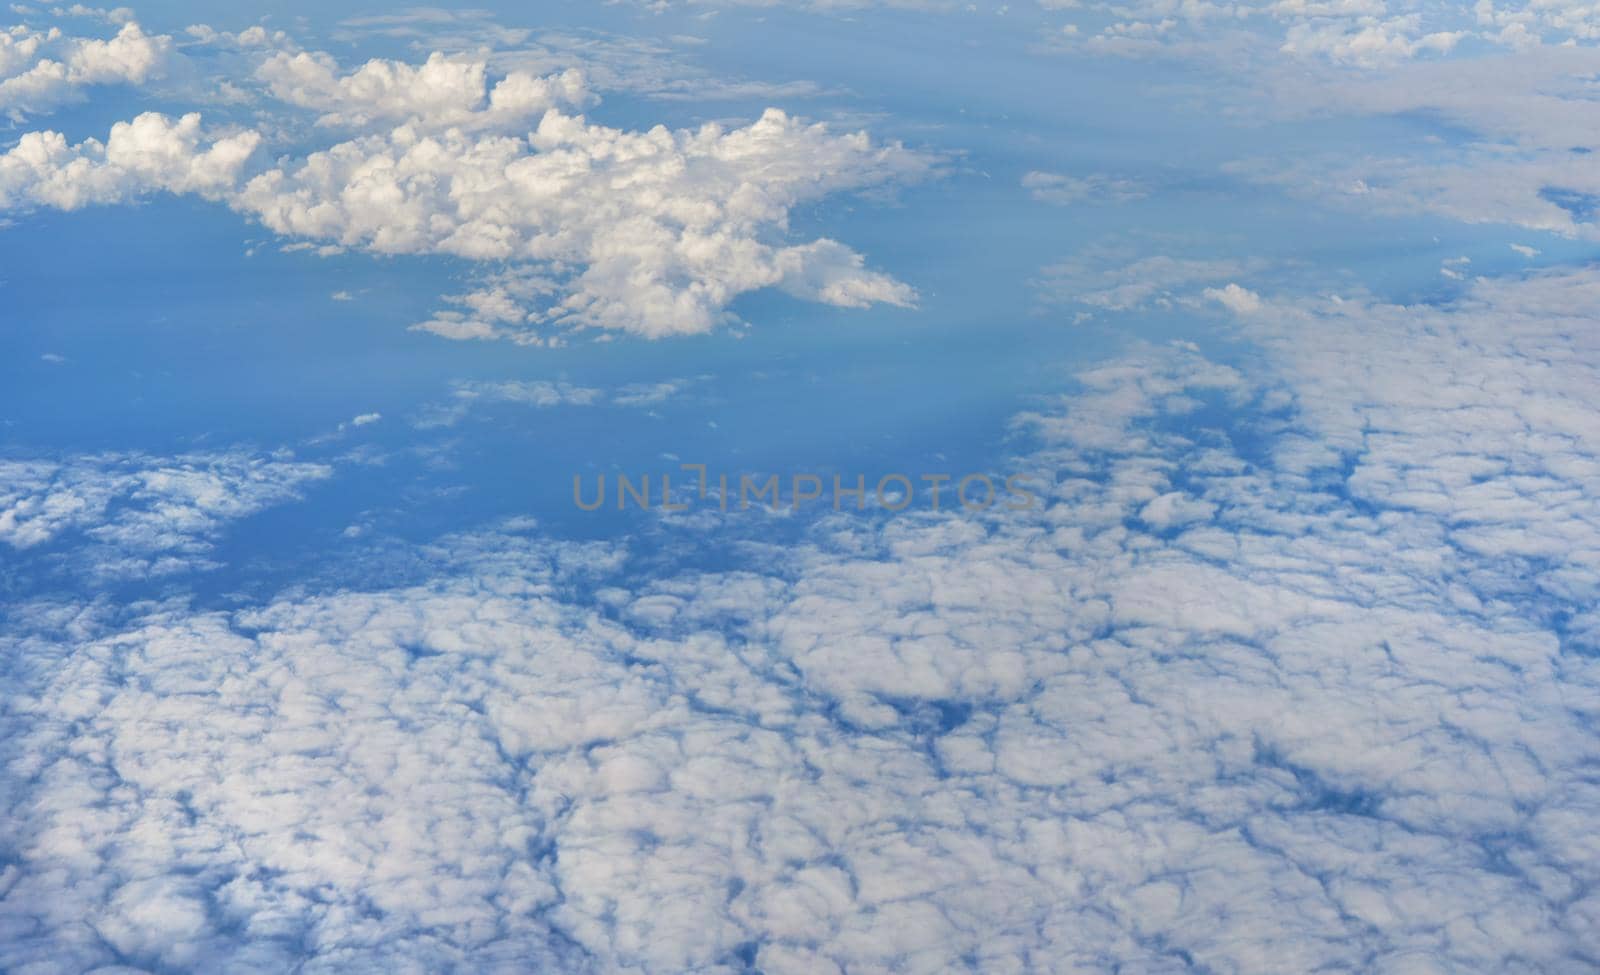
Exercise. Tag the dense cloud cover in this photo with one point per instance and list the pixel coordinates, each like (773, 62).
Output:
(1309, 687)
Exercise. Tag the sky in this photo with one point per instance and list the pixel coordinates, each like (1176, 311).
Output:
(1219, 384)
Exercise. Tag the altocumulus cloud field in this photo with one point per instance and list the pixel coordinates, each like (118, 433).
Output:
(1284, 312)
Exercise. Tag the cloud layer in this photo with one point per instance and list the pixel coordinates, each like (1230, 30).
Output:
(1297, 668)
(1295, 671)
(142, 515)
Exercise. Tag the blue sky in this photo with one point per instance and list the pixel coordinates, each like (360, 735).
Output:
(1283, 312)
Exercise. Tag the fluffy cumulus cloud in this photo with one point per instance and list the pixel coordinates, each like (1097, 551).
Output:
(140, 514)
(1234, 298)
(1294, 670)
(649, 232)
(654, 233)
(439, 93)
(152, 153)
(41, 70)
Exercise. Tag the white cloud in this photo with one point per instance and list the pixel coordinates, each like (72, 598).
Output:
(658, 69)
(648, 394)
(1368, 40)
(499, 307)
(440, 93)
(1173, 509)
(42, 70)
(1524, 25)
(667, 228)
(138, 514)
(256, 38)
(151, 153)
(1515, 149)
(1511, 82)
(1064, 190)
(653, 233)
(1510, 472)
(1366, 34)
(1240, 301)
(468, 29)
(468, 394)
(1115, 278)
(110, 15)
